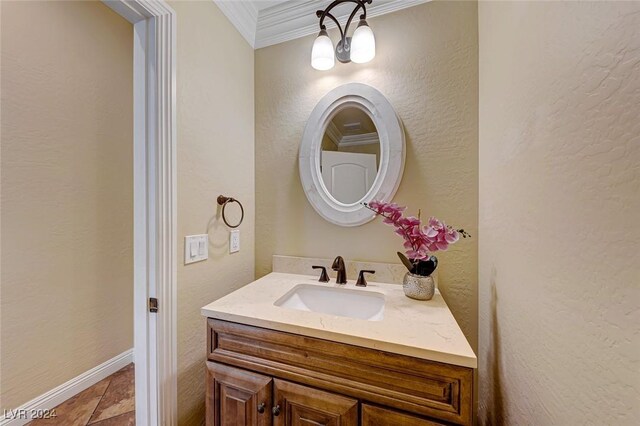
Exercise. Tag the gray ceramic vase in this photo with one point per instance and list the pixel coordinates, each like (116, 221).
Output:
(418, 287)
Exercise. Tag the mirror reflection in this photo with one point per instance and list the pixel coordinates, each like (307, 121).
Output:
(350, 155)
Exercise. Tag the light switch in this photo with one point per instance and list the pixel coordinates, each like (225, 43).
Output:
(196, 248)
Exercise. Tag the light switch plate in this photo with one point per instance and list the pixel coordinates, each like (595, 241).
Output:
(196, 248)
(234, 241)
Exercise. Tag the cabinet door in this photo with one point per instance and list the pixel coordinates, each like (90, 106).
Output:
(297, 405)
(377, 416)
(237, 397)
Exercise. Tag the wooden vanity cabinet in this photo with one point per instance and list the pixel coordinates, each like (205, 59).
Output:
(257, 376)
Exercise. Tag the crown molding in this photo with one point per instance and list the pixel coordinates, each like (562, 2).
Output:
(293, 18)
(333, 133)
(362, 139)
(340, 140)
(243, 15)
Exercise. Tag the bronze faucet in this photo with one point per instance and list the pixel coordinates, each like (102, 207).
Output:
(324, 278)
(361, 281)
(338, 265)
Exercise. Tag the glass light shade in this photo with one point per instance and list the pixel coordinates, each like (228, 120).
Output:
(322, 56)
(363, 44)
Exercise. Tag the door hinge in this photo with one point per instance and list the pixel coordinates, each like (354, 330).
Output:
(153, 304)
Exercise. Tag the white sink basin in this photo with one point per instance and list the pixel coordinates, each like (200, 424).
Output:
(365, 305)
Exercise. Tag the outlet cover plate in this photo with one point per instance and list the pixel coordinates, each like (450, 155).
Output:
(234, 241)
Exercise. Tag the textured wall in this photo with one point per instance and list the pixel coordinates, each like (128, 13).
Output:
(559, 205)
(426, 65)
(67, 193)
(215, 156)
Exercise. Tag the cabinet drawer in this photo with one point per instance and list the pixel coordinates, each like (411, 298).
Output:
(409, 384)
(377, 416)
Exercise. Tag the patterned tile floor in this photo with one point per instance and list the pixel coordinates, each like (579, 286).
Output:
(109, 402)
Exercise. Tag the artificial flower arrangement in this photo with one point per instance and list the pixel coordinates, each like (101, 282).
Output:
(419, 241)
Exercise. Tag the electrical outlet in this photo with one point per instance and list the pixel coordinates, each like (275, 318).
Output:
(234, 241)
(196, 248)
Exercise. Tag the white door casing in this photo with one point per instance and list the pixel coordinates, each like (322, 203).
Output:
(155, 254)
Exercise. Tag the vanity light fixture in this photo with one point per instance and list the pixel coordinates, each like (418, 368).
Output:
(359, 48)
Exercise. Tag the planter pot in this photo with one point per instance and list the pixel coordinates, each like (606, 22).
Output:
(418, 287)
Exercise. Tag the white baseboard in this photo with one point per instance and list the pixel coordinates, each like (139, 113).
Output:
(53, 398)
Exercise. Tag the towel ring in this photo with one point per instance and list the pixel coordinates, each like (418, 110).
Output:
(223, 201)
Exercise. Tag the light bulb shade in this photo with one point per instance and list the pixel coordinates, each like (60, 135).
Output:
(363, 44)
(322, 56)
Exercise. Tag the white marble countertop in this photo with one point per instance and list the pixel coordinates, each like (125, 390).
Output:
(422, 329)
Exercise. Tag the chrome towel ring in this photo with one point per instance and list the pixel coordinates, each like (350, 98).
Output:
(223, 201)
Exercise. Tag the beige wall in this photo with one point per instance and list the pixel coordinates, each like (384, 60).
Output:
(428, 70)
(559, 205)
(67, 261)
(215, 156)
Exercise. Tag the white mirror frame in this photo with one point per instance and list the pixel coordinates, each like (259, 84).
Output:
(392, 153)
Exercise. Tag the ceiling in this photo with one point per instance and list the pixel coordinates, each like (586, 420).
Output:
(266, 22)
(353, 121)
(263, 4)
(351, 127)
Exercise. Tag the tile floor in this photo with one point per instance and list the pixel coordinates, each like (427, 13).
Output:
(109, 402)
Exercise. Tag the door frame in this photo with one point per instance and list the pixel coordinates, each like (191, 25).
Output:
(154, 205)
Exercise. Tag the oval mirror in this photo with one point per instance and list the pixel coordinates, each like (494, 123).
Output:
(352, 151)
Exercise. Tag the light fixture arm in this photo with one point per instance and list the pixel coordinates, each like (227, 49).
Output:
(360, 4)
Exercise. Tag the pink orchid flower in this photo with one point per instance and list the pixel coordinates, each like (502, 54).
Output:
(419, 241)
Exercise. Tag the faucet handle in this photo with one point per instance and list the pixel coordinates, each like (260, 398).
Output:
(324, 278)
(361, 281)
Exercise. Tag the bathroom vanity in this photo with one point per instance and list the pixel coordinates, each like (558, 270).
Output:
(288, 350)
